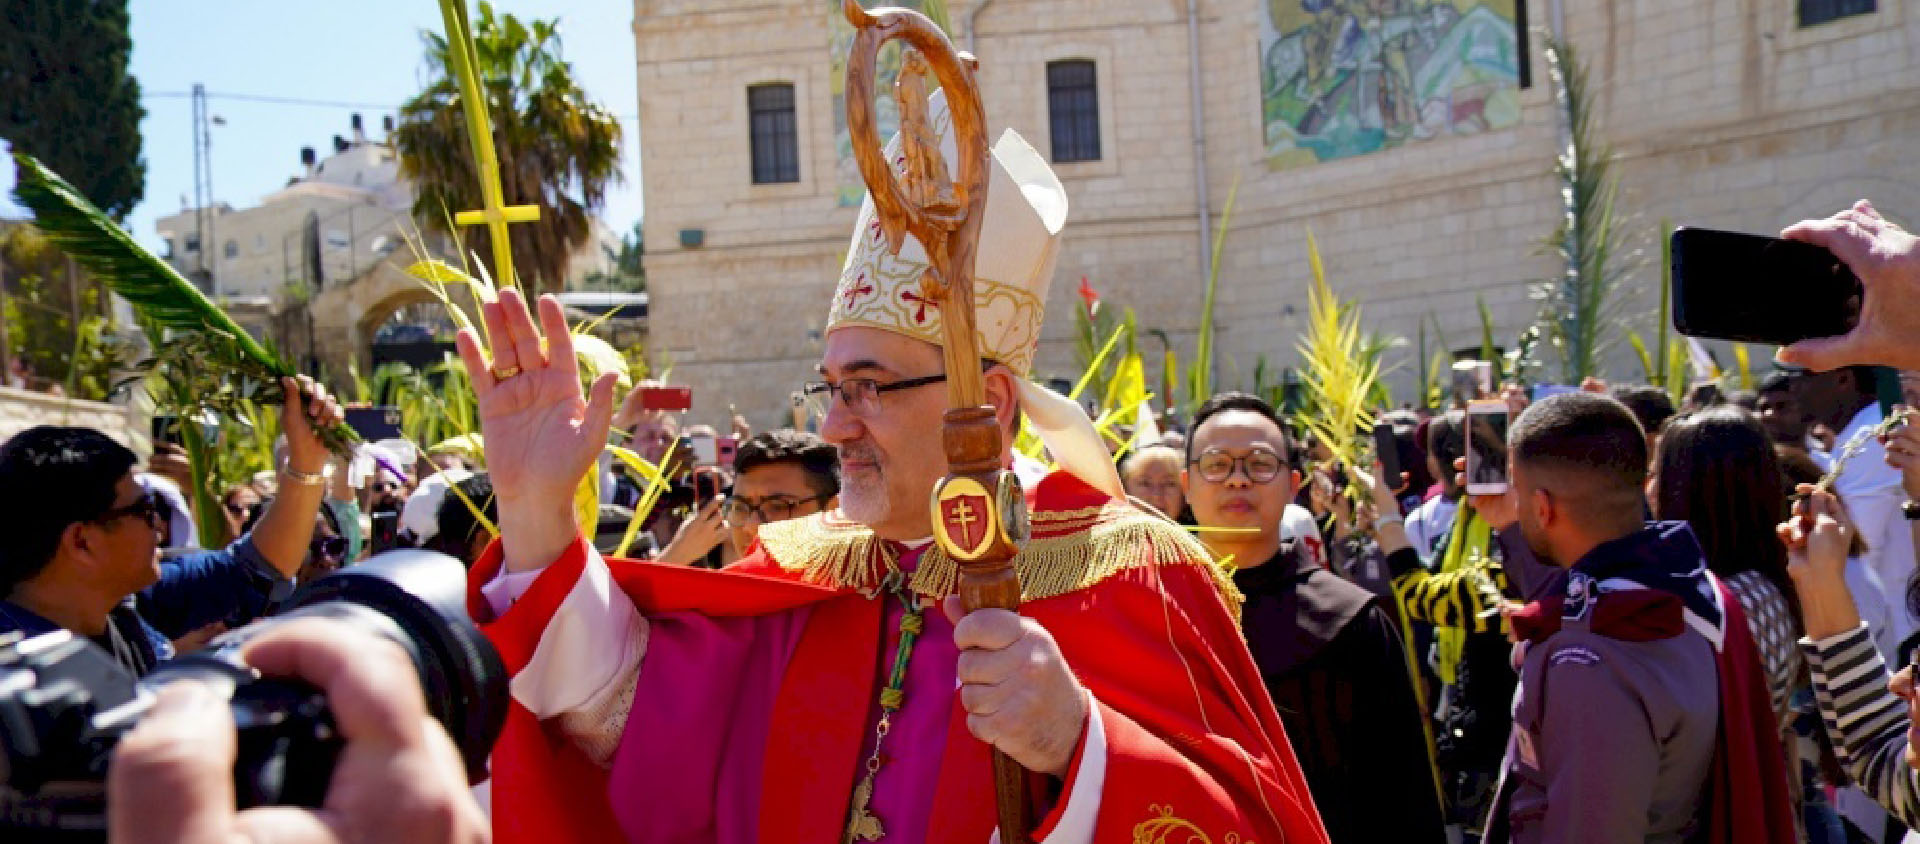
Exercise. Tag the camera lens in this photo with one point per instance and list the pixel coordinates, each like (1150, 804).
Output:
(418, 599)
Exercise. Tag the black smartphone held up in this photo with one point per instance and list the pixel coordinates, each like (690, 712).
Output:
(375, 423)
(1755, 289)
(166, 429)
(1388, 450)
(1487, 447)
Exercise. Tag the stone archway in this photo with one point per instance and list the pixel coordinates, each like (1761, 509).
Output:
(346, 316)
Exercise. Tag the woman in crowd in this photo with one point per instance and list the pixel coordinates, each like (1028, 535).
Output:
(1717, 471)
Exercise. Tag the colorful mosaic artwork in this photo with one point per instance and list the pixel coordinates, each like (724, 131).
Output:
(1350, 77)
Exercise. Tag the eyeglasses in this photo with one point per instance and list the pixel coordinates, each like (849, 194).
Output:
(862, 395)
(329, 547)
(238, 508)
(773, 508)
(1260, 465)
(147, 507)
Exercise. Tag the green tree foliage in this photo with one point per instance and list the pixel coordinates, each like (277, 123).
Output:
(66, 97)
(41, 312)
(557, 149)
(628, 275)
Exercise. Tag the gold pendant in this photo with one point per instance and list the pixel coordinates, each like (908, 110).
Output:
(862, 823)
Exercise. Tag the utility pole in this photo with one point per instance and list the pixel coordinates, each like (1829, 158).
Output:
(203, 213)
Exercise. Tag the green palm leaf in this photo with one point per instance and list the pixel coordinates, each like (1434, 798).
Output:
(109, 253)
(203, 335)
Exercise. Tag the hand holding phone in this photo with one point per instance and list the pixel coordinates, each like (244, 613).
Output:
(1387, 450)
(1746, 287)
(1487, 447)
(666, 398)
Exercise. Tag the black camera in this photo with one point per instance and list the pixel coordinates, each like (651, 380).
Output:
(65, 703)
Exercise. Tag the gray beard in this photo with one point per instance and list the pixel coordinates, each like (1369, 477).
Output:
(865, 501)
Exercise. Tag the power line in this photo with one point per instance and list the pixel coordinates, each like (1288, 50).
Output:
(257, 98)
(299, 101)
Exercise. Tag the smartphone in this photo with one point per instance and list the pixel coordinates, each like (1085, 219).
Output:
(1466, 381)
(666, 398)
(727, 447)
(1486, 447)
(706, 449)
(374, 424)
(1483, 377)
(1755, 289)
(707, 484)
(166, 429)
(1387, 448)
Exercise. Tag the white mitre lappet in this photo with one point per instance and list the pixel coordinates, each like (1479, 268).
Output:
(1025, 211)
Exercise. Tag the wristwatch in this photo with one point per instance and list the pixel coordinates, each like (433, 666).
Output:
(1910, 509)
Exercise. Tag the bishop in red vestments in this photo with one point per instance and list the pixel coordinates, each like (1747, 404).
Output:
(827, 687)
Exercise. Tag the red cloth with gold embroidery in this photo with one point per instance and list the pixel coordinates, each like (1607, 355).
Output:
(1195, 751)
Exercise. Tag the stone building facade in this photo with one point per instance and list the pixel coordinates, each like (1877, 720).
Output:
(1725, 113)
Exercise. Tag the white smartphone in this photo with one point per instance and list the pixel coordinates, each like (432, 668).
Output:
(706, 449)
(1486, 447)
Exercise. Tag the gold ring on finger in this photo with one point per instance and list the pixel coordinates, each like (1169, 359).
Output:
(504, 374)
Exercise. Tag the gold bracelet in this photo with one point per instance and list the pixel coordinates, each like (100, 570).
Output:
(303, 478)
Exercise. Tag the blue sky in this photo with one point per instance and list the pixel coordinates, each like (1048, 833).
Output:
(343, 51)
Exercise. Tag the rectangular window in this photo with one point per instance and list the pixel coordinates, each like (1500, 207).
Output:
(1073, 107)
(776, 143)
(1816, 12)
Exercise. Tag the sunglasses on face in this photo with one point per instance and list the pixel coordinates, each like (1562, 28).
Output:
(328, 547)
(238, 509)
(147, 507)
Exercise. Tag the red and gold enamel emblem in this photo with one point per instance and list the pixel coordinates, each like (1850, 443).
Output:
(964, 518)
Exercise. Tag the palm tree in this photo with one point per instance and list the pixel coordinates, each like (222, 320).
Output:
(1581, 307)
(557, 149)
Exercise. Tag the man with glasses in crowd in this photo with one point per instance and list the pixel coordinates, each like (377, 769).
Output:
(1330, 655)
(780, 475)
(82, 540)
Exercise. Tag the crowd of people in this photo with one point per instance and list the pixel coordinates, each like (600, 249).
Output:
(1675, 624)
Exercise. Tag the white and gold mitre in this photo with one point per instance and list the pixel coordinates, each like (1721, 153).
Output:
(1026, 209)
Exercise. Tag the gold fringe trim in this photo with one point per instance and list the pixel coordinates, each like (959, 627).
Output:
(1064, 557)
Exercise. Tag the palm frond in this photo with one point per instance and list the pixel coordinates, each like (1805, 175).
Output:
(1200, 378)
(108, 252)
(1337, 371)
(204, 337)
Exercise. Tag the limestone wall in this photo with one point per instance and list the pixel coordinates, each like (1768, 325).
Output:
(1725, 113)
(23, 409)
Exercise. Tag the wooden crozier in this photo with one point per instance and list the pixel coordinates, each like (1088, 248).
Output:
(979, 512)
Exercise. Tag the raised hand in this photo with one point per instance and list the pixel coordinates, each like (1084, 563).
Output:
(1903, 451)
(1887, 260)
(542, 434)
(1818, 540)
(308, 410)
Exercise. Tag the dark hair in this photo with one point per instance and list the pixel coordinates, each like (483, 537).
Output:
(51, 477)
(457, 524)
(1447, 438)
(1236, 400)
(1719, 474)
(820, 460)
(1776, 382)
(1651, 406)
(1589, 434)
(1866, 380)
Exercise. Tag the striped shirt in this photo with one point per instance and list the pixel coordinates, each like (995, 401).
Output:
(1867, 724)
